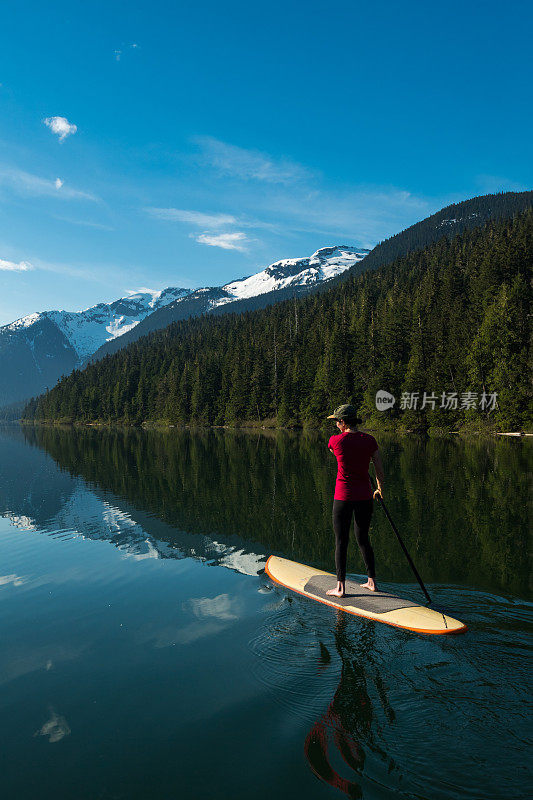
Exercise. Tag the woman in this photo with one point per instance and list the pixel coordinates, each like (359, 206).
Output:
(353, 493)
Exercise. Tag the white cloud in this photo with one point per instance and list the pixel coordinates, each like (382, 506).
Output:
(82, 272)
(60, 126)
(228, 159)
(24, 183)
(193, 217)
(12, 266)
(286, 198)
(227, 241)
(142, 290)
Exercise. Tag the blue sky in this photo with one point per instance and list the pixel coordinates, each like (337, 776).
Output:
(170, 143)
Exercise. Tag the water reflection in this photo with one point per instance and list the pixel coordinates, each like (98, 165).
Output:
(347, 721)
(152, 659)
(36, 493)
(56, 728)
(214, 493)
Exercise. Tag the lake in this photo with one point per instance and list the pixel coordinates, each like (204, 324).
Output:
(146, 654)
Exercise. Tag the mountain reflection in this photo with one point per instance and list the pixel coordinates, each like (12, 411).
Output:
(36, 493)
(234, 497)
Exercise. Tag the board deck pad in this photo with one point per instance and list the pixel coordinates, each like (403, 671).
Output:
(378, 606)
(378, 602)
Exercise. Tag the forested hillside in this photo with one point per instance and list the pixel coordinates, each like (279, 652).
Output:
(449, 221)
(451, 318)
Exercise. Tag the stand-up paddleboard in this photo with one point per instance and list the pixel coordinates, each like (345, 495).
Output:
(379, 606)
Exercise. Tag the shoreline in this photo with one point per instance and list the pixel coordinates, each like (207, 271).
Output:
(256, 428)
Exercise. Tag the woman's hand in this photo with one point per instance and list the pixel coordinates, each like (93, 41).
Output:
(380, 477)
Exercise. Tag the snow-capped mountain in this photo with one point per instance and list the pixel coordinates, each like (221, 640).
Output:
(326, 263)
(86, 330)
(36, 350)
(281, 280)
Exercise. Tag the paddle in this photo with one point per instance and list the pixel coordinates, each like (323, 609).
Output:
(404, 548)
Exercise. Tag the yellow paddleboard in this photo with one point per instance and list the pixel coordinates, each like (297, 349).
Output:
(379, 606)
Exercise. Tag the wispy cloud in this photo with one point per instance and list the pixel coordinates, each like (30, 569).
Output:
(60, 126)
(25, 183)
(193, 217)
(365, 215)
(227, 241)
(82, 272)
(492, 184)
(142, 290)
(288, 198)
(12, 266)
(86, 223)
(214, 236)
(16, 580)
(203, 220)
(249, 164)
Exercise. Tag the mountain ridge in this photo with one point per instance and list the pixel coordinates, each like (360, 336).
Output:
(37, 349)
(448, 323)
(28, 366)
(288, 277)
(449, 221)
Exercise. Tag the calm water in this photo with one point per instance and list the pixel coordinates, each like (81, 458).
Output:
(145, 654)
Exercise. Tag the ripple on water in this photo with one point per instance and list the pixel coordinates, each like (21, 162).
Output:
(426, 717)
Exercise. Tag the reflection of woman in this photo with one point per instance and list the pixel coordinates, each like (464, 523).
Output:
(345, 728)
(353, 492)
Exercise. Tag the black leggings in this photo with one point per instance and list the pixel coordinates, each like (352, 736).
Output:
(342, 518)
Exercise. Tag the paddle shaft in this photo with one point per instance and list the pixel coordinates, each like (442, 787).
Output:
(404, 548)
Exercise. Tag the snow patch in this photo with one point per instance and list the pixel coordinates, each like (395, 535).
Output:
(454, 220)
(23, 322)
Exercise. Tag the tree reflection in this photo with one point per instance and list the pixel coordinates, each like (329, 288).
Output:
(454, 501)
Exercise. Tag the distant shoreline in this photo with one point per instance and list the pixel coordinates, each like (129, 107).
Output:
(268, 428)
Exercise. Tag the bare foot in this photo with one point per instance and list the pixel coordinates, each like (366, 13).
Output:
(337, 592)
(370, 584)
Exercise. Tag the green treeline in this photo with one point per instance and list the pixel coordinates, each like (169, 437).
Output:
(450, 318)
